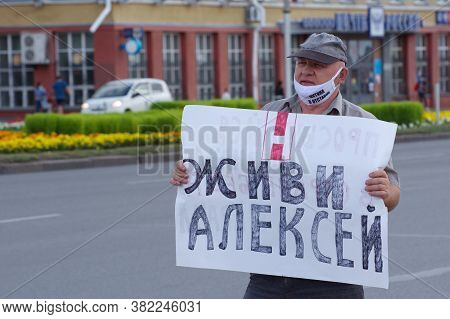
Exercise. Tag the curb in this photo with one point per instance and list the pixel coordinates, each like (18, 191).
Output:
(116, 160)
(421, 137)
(89, 162)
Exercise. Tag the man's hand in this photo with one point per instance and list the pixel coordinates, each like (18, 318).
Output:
(179, 175)
(378, 185)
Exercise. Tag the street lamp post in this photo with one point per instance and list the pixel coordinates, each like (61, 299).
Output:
(287, 47)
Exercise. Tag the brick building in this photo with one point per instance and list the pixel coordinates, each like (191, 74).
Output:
(202, 47)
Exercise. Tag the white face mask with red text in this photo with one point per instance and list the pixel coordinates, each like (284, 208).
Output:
(316, 94)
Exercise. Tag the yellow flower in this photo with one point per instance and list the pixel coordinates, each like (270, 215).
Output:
(431, 116)
(11, 142)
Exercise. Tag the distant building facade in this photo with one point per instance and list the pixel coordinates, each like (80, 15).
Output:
(200, 48)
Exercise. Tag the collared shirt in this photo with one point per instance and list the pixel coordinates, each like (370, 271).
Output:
(339, 107)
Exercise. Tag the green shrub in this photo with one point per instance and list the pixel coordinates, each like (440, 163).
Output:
(46, 123)
(403, 112)
(162, 117)
(245, 103)
(69, 124)
(150, 121)
(167, 105)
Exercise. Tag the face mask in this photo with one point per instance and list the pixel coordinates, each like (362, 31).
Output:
(316, 94)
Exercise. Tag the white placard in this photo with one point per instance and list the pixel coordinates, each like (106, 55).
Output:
(283, 194)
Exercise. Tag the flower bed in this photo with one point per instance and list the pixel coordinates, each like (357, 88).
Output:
(13, 142)
(431, 116)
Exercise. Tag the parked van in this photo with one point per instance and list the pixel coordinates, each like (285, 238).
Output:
(127, 95)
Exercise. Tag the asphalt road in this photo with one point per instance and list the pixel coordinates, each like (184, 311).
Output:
(47, 218)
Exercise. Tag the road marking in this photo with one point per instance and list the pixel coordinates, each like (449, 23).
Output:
(420, 236)
(420, 157)
(421, 274)
(21, 219)
(146, 181)
(417, 187)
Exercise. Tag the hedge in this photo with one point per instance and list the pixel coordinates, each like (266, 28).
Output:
(246, 103)
(402, 112)
(151, 121)
(169, 119)
(162, 117)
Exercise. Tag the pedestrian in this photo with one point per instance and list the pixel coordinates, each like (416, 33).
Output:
(279, 92)
(421, 88)
(40, 98)
(320, 69)
(61, 91)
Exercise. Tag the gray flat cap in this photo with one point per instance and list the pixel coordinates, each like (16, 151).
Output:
(322, 47)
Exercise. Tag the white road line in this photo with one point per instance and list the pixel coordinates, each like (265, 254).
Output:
(421, 157)
(421, 236)
(147, 181)
(421, 274)
(21, 219)
(417, 187)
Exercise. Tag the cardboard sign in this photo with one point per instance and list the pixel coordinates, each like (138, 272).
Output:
(283, 194)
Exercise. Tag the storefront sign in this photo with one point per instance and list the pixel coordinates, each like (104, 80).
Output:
(376, 23)
(443, 17)
(319, 23)
(402, 22)
(351, 22)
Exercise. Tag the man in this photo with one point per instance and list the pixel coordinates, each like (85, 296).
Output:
(421, 86)
(320, 70)
(60, 90)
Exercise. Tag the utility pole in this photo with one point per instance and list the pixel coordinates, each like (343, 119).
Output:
(287, 48)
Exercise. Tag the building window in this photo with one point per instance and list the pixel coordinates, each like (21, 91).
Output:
(444, 62)
(236, 65)
(137, 63)
(172, 63)
(205, 66)
(398, 70)
(75, 64)
(16, 78)
(266, 68)
(421, 55)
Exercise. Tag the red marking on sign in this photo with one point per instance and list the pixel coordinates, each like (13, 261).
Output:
(280, 125)
(275, 141)
(277, 152)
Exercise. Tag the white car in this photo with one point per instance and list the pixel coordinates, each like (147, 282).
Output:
(127, 95)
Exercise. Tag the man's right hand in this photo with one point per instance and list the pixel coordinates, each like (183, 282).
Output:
(179, 175)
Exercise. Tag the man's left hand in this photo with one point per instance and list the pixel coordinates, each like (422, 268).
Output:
(378, 184)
